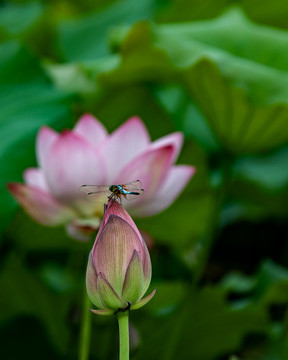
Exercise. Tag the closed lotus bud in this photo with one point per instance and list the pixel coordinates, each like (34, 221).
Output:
(119, 268)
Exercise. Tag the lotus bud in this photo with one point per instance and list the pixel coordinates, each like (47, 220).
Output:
(119, 267)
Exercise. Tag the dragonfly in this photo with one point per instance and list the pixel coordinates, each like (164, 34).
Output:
(129, 191)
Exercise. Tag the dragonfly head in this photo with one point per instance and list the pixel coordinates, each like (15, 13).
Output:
(113, 188)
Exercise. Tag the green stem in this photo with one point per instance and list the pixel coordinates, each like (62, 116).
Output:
(85, 333)
(123, 321)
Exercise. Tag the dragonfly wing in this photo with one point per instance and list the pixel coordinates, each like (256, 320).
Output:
(133, 185)
(98, 196)
(98, 193)
(94, 188)
(134, 194)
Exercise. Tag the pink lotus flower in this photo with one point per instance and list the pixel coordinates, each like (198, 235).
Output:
(89, 155)
(119, 267)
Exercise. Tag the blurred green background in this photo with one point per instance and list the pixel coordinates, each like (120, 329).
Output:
(218, 72)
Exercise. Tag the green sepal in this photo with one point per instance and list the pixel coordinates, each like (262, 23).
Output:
(143, 301)
(103, 312)
(134, 279)
(109, 297)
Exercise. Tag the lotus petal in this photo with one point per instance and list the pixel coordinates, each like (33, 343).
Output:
(176, 180)
(72, 162)
(174, 139)
(46, 137)
(41, 205)
(90, 129)
(114, 249)
(35, 177)
(123, 145)
(151, 168)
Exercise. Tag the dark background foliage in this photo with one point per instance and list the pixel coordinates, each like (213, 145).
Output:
(218, 72)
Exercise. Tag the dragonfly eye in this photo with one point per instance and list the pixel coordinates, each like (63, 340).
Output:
(111, 188)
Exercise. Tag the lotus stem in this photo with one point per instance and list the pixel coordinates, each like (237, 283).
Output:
(123, 321)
